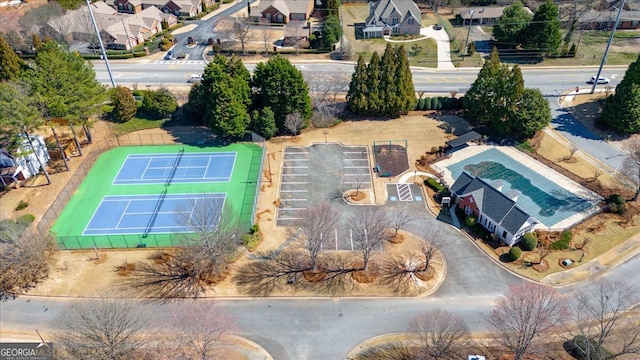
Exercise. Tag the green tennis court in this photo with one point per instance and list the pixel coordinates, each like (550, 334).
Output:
(129, 197)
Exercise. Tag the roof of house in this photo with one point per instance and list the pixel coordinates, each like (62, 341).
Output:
(296, 28)
(463, 139)
(609, 16)
(386, 8)
(492, 203)
(484, 12)
(285, 7)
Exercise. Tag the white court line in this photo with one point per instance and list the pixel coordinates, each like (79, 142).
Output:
(145, 170)
(122, 215)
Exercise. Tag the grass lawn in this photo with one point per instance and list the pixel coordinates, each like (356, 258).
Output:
(136, 124)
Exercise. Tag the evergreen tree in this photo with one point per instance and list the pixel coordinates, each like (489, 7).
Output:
(64, 86)
(279, 85)
(375, 98)
(510, 25)
(533, 113)
(159, 104)
(406, 100)
(620, 109)
(357, 94)
(543, 33)
(331, 32)
(226, 96)
(195, 106)
(10, 63)
(388, 85)
(124, 105)
(263, 122)
(499, 100)
(331, 6)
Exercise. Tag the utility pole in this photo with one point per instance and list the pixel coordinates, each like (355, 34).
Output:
(606, 51)
(126, 32)
(104, 53)
(471, 12)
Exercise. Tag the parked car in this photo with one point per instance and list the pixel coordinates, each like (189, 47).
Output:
(601, 80)
(437, 27)
(181, 56)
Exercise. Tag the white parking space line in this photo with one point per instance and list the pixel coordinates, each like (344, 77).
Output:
(285, 200)
(295, 167)
(356, 174)
(355, 167)
(294, 182)
(284, 191)
(301, 159)
(295, 174)
(404, 192)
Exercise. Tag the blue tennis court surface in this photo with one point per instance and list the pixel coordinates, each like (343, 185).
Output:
(179, 168)
(149, 214)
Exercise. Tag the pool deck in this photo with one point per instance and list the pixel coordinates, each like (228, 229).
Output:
(541, 169)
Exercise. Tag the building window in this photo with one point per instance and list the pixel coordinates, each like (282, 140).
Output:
(504, 234)
(395, 21)
(411, 21)
(635, 23)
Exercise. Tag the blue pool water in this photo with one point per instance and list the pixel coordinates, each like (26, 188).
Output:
(540, 197)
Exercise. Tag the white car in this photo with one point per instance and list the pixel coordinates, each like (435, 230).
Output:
(601, 80)
(194, 78)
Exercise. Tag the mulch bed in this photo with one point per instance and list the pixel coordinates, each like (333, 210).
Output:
(392, 159)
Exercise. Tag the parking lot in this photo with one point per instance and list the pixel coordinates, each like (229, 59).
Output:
(322, 173)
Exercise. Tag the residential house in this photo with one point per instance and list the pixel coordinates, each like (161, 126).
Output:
(282, 11)
(187, 8)
(24, 162)
(483, 15)
(392, 17)
(604, 20)
(497, 212)
(295, 33)
(117, 30)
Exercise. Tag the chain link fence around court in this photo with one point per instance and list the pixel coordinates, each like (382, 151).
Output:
(196, 137)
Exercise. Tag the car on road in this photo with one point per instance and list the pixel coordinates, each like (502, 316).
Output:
(194, 78)
(181, 56)
(437, 27)
(170, 56)
(601, 80)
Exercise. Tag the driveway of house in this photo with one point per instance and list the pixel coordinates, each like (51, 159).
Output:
(444, 49)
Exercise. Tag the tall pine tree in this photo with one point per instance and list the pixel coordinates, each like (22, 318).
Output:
(375, 101)
(10, 63)
(357, 94)
(543, 32)
(404, 80)
(621, 110)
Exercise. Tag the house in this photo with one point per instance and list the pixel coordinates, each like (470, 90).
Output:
(497, 212)
(295, 33)
(392, 17)
(483, 15)
(604, 20)
(118, 30)
(282, 11)
(24, 162)
(187, 8)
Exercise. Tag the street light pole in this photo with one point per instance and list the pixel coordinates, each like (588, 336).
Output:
(104, 53)
(606, 51)
(471, 12)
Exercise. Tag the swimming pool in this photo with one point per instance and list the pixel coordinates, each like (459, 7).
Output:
(555, 203)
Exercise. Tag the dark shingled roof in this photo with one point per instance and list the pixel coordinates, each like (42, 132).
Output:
(491, 202)
(463, 139)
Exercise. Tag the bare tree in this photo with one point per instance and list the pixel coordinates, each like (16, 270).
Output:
(36, 18)
(62, 27)
(369, 225)
(242, 31)
(104, 328)
(25, 258)
(400, 219)
(630, 168)
(603, 313)
(339, 83)
(196, 329)
(317, 223)
(265, 34)
(442, 334)
(294, 122)
(527, 312)
(201, 259)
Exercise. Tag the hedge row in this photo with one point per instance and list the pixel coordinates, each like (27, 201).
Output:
(115, 56)
(563, 243)
(439, 103)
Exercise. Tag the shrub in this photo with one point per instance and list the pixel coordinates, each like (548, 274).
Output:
(583, 348)
(165, 44)
(22, 205)
(529, 241)
(436, 104)
(124, 105)
(25, 220)
(617, 199)
(427, 104)
(251, 241)
(254, 229)
(420, 104)
(471, 220)
(435, 185)
(514, 254)
(159, 104)
(563, 243)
